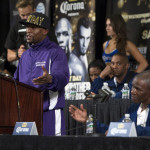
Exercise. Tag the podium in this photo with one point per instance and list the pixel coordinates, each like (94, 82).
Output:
(30, 101)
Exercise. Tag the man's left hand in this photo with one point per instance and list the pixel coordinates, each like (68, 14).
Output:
(45, 78)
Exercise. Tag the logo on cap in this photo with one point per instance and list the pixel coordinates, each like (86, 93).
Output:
(35, 20)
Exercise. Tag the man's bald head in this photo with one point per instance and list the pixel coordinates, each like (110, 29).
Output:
(145, 76)
(123, 56)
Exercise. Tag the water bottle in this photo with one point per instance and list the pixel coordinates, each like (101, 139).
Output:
(105, 86)
(67, 96)
(73, 93)
(89, 124)
(127, 118)
(125, 91)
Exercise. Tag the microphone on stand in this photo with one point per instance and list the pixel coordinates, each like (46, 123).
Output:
(87, 93)
(2, 59)
(18, 102)
(102, 96)
(57, 134)
(6, 75)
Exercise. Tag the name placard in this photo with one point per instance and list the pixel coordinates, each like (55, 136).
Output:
(25, 128)
(122, 129)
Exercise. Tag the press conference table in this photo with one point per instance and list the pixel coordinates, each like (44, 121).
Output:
(76, 138)
(110, 111)
(72, 143)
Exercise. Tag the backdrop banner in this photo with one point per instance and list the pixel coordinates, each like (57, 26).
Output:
(136, 13)
(74, 24)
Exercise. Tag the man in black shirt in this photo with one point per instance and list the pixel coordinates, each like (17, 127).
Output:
(15, 42)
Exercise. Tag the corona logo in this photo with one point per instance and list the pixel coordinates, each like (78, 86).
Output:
(65, 7)
(24, 124)
(121, 125)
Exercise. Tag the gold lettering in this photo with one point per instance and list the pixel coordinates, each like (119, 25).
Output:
(136, 16)
(146, 34)
(73, 78)
(37, 21)
(33, 20)
(70, 79)
(79, 78)
(139, 3)
(41, 20)
(76, 78)
(29, 18)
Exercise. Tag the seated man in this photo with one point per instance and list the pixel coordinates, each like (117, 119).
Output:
(119, 69)
(95, 68)
(139, 111)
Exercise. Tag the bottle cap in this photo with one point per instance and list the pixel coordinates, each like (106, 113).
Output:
(105, 84)
(125, 84)
(90, 115)
(127, 115)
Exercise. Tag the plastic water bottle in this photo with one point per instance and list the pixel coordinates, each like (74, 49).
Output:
(127, 118)
(89, 124)
(67, 96)
(105, 86)
(73, 93)
(125, 91)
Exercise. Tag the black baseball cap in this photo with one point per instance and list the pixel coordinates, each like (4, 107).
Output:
(37, 19)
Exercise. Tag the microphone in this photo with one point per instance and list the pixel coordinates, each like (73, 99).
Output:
(18, 102)
(2, 58)
(105, 95)
(6, 75)
(87, 93)
(102, 96)
(70, 130)
(22, 37)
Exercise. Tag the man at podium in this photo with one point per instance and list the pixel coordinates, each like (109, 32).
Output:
(44, 65)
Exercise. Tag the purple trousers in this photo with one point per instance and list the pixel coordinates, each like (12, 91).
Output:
(53, 122)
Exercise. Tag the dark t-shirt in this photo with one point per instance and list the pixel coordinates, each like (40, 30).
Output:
(16, 35)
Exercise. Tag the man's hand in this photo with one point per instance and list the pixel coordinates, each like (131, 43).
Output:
(45, 78)
(106, 72)
(21, 50)
(106, 133)
(89, 97)
(78, 114)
